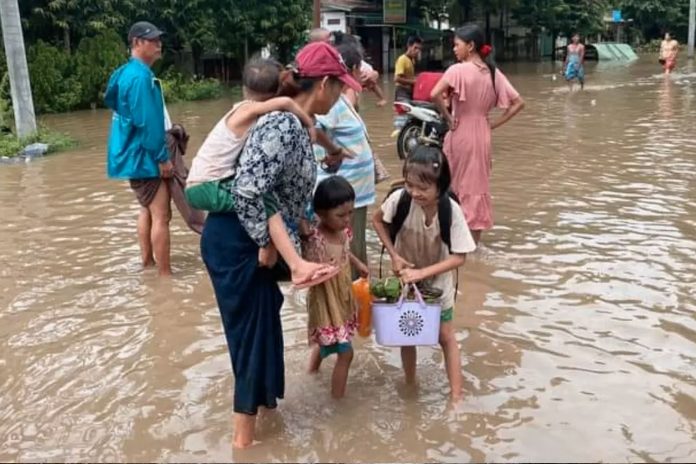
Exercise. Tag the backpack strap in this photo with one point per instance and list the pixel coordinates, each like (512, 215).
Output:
(444, 213)
(402, 209)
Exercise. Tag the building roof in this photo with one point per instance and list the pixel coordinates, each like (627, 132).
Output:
(351, 5)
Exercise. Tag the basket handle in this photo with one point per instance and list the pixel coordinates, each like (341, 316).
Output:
(404, 292)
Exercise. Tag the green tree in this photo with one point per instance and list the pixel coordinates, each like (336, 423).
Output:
(582, 16)
(95, 60)
(75, 19)
(53, 83)
(654, 17)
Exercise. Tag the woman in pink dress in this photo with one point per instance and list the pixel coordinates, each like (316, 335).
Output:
(476, 87)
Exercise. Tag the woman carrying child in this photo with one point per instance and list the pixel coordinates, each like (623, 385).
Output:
(421, 252)
(211, 178)
(276, 171)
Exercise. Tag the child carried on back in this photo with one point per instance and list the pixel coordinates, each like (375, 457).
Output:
(210, 180)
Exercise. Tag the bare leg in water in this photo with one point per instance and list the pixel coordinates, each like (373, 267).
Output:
(408, 361)
(453, 361)
(144, 229)
(339, 378)
(160, 214)
(476, 234)
(244, 430)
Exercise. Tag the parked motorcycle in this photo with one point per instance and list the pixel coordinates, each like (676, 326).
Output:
(422, 124)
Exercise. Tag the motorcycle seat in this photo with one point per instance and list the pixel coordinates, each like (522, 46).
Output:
(424, 104)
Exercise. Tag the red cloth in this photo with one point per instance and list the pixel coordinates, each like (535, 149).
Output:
(425, 83)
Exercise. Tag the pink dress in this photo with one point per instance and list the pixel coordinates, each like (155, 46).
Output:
(468, 145)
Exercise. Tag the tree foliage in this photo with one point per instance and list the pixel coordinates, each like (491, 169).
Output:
(567, 16)
(654, 17)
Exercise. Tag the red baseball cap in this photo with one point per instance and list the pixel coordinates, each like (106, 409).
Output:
(319, 59)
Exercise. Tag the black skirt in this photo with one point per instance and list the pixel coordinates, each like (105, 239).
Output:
(249, 300)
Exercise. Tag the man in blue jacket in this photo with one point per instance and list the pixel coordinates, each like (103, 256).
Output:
(137, 148)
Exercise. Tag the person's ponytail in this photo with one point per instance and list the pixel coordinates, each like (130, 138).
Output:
(485, 53)
(473, 33)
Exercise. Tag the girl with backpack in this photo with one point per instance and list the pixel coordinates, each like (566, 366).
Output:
(425, 233)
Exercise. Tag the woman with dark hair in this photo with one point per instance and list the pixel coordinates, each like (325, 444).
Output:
(276, 170)
(476, 87)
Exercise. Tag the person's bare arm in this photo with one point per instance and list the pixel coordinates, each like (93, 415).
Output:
(438, 99)
(582, 54)
(334, 153)
(416, 275)
(245, 115)
(352, 97)
(359, 265)
(509, 113)
(398, 263)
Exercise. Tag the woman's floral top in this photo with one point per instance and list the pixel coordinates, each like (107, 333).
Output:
(277, 164)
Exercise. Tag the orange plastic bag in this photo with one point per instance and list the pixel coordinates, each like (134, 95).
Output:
(361, 290)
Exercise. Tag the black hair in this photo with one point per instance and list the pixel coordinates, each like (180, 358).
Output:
(262, 75)
(351, 55)
(473, 33)
(430, 166)
(413, 39)
(331, 193)
(293, 84)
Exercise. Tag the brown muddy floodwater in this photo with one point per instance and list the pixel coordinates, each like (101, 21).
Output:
(576, 320)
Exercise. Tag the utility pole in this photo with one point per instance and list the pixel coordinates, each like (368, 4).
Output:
(317, 14)
(22, 102)
(692, 27)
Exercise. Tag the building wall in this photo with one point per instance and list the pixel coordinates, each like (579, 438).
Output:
(333, 21)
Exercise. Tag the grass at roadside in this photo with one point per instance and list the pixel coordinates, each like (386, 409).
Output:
(12, 146)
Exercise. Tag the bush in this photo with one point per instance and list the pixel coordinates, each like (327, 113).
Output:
(11, 146)
(95, 60)
(53, 83)
(177, 88)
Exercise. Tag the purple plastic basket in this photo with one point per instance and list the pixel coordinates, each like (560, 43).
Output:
(406, 322)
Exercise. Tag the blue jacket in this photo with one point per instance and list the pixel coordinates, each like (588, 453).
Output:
(137, 142)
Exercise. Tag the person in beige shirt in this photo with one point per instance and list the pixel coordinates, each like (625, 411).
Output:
(419, 251)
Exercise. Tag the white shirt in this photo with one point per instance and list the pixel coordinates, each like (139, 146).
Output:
(422, 244)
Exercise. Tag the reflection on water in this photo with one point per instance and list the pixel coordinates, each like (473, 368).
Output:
(576, 318)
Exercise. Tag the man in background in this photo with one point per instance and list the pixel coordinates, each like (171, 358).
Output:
(405, 69)
(137, 148)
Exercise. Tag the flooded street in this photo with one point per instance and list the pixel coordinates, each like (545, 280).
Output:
(577, 318)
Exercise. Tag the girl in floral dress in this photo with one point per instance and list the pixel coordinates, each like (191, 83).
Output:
(331, 306)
